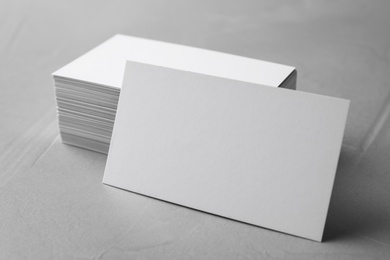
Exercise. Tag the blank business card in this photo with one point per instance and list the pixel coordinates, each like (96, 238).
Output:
(255, 154)
(104, 65)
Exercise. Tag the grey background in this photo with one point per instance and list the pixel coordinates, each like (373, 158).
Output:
(53, 204)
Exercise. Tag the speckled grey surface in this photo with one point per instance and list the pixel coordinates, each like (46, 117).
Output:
(53, 204)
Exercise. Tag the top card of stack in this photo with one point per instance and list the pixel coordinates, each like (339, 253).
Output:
(88, 88)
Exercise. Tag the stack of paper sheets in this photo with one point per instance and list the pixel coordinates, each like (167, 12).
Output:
(88, 88)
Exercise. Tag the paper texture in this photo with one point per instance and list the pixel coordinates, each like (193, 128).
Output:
(260, 155)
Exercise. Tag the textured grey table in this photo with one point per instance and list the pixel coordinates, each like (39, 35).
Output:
(53, 204)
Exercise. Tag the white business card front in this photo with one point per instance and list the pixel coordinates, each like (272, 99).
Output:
(252, 153)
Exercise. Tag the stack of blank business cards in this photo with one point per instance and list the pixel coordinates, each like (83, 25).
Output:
(87, 89)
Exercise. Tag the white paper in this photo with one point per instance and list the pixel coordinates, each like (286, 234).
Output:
(260, 155)
(105, 64)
